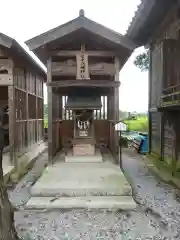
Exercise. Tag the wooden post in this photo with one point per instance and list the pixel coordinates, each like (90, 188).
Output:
(120, 150)
(12, 118)
(162, 137)
(27, 109)
(49, 88)
(36, 111)
(116, 107)
(149, 103)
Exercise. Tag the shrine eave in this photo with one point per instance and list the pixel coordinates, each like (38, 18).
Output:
(146, 20)
(16, 49)
(38, 44)
(77, 103)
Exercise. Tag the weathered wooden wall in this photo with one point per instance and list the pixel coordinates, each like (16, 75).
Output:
(164, 74)
(29, 123)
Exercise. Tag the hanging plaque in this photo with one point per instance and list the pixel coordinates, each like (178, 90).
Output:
(82, 64)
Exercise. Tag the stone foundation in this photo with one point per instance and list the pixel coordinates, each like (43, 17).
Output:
(83, 149)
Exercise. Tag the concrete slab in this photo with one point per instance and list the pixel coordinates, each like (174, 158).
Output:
(111, 203)
(7, 167)
(82, 179)
(26, 161)
(7, 171)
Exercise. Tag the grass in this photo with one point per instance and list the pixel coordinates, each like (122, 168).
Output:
(164, 166)
(45, 123)
(140, 124)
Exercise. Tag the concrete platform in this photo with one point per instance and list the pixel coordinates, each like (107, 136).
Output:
(82, 185)
(82, 179)
(111, 203)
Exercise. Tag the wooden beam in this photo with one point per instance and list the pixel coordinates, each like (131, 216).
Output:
(62, 68)
(83, 83)
(50, 140)
(90, 53)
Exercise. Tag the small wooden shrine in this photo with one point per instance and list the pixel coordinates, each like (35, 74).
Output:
(83, 62)
(21, 93)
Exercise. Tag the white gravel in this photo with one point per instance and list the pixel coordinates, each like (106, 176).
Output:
(156, 217)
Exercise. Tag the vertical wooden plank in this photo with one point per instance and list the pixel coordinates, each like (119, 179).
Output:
(42, 95)
(104, 109)
(36, 85)
(162, 137)
(49, 79)
(100, 111)
(150, 95)
(96, 114)
(116, 108)
(12, 118)
(27, 107)
(117, 69)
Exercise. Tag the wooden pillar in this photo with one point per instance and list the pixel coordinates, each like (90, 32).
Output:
(113, 136)
(108, 118)
(117, 69)
(116, 109)
(49, 88)
(27, 109)
(12, 117)
(37, 123)
(42, 94)
(162, 136)
(150, 96)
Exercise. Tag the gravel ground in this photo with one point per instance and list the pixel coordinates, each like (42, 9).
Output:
(157, 215)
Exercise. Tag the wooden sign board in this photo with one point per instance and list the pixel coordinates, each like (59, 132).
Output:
(6, 80)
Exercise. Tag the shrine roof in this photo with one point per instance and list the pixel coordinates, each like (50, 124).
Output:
(147, 18)
(84, 102)
(72, 30)
(15, 49)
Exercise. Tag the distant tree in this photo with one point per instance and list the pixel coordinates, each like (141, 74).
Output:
(141, 61)
(122, 115)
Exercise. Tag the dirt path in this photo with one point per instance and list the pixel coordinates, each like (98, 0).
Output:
(156, 217)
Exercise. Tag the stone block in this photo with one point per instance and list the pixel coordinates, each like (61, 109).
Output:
(83, 150)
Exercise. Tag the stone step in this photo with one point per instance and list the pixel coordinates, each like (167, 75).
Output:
(82, 159)
(83, 149)
(72, 192)
(110, 203)
(96, 157)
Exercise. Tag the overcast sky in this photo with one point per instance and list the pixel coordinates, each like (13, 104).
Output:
(24, 19)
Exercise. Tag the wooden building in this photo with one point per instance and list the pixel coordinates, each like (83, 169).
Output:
(157, 25)
(83, 61)
(21, 92)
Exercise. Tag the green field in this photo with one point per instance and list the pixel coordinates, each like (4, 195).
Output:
(140, 124)
(45, 123)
